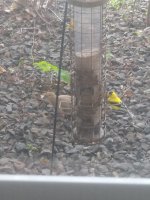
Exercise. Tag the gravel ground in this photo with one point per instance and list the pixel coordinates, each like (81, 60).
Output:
(26, 123)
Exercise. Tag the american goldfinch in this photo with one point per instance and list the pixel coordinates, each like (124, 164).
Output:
(116, 103)
(70, 25)
(64, 102)
(114, 100)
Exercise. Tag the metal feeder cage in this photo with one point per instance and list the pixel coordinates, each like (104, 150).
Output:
(87, 20)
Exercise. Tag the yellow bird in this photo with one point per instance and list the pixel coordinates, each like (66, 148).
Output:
(114, 100)
(70, 25)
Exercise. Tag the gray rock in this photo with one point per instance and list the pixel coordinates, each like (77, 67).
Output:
(148, 114)
(2, 108)
(101, 168)
(131, 157)
(148, 137)
(39, 132)
(2, 123)
(46, 172)
(147, 130)
(137, 165)
(122, 166)
(109, 142)
(63, 144)
(137, 83)
(119, 156)
(144, 146)
(139, 125)
(42, 121)
(72, 151)
(147, 91)
(141, 107)
(7, 169)
(130, 137)
(4, 161)
(92, 149)
(1, 151)
(84, 172)
(21, 147)
(46, 152)
(9, 108)
(18, 166)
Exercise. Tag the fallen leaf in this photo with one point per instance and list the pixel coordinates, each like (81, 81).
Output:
(2, 70)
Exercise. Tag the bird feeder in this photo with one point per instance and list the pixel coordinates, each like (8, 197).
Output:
(88, 85)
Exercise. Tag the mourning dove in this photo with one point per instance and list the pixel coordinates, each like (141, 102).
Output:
(64, 102)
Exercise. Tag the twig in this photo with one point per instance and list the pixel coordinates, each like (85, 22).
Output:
(32, 48)
(55, 14)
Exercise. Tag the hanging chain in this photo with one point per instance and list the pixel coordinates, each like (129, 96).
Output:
(58, 82)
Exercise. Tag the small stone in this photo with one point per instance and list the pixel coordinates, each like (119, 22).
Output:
(43, 121)
(109, 142)
(18, 165)
(130, 137)
(45, 152)
(140, 125)
(46, 172)
(121, 166)
(137, 165)
(72, 151)
(2, 108)
(141, 107)
(84, 172)
(139, 136)
(115, 174)
(11, 132)
(34, 130)
(2, 123)
(9, 108)
(21, 147)
(144, 146)
(148, 114)
(7, 169)
(147, 130)
(148, 152)
(1, 151)
(137, 83)
(101, 168)
(39, 132)
(148, 136)
(4, 161)
(147, 91)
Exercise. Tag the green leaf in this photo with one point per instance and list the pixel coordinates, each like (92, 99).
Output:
(109, 55)
(54, 68)
(65, 76)
(117, 3)
(46, 67)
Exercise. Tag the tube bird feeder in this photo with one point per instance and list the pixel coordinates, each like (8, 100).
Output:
(87, 25)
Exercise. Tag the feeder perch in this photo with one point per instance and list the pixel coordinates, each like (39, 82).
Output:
(87, 81)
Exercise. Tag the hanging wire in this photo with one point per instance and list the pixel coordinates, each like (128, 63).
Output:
(58, 82)
(105, 66)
